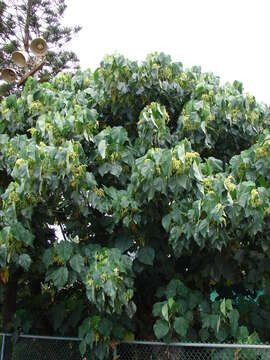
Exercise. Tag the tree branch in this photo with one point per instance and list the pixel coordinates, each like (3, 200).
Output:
(26, 28)
(31, 72)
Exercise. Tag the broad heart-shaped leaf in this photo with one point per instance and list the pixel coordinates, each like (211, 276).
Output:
(242, 334)
(41, 124)
(64, 250)
(181, 326)
(196, 172)
(123, 243)
(234, 317)
(48, 257)
(3, 255)
(82, 347)
(166, 220)
(146, 255)
(161, 328)
(157, 308)
(11, 101)
(77, 263)
(102, 148)
(22, 234)
(181, 152)
(223, 307)
(165, 312)
(59, 277)
(204, 334)
(24, 261)
(215, 164)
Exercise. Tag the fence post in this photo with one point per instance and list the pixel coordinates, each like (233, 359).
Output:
(3, 346)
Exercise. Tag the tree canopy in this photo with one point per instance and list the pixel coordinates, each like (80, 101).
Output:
(158, 178)
(23, 20)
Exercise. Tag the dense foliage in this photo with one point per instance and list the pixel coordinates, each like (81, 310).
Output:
(23, 20)
(158, 178)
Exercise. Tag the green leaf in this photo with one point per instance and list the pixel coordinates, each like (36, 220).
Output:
(102, 148)
(161, 328)
(229, 304)
(59, 277)
(105, 327)
(64, 250)
(22, 234)
(181, 152)
(165, 312)
(234, 317)
(84, 328)
(82, 347)
(123, 243)
(215, 164)
(181, 326)
(41, 124)
(48, 257)
(242, 334)
(146, 255)
(196, 172)
(3, 255)
(223, 307)
(166, 220)
(157, 308)
(11, 101)
(77, 263)
(24, 261)
(204, 335)
(171, 302)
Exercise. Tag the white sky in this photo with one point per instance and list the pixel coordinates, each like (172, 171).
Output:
(228, 37)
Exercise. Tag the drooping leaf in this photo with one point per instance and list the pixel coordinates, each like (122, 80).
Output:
(161, 328)
(146, 255)
(24, 261)
(77, 263)
(181, 326)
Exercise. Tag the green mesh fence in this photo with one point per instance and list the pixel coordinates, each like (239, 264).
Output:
(52, 348)
(39, 348)
(159, 351)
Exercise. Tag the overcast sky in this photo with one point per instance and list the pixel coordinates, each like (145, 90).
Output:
(228, 37)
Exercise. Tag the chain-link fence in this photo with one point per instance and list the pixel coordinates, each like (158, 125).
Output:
(141, 350)
(27, 347)
(40, 348)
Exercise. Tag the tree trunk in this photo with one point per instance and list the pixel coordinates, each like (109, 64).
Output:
(26, 27)
(9, 306)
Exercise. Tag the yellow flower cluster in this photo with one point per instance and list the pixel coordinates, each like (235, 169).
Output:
(99, 191)
(188, 125)
(229, 184)
(19, 162)
(177, 166)
(219, 206)
(115, 156)
(208, 184)
(36, 106)
(190, 156)
(255, 198)
(4, 108)
(263, 150)
(267, 211)
(182, 79)
(13, 197)
(250, 99)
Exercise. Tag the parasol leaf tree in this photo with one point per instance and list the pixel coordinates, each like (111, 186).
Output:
(135, 203)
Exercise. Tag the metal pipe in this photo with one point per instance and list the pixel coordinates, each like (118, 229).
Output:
(151, 343)
(45, 337)
(202, 345)
(3, 346)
